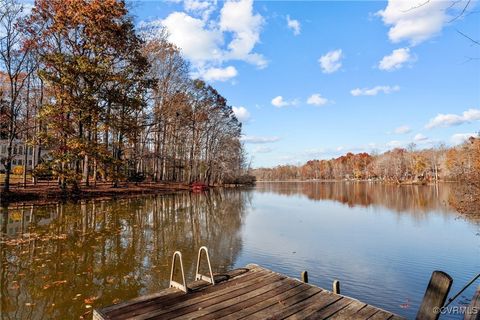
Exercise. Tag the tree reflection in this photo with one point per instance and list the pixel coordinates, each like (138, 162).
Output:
(67, 259)
(399, 198)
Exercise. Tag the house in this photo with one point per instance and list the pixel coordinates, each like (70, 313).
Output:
(18, 153)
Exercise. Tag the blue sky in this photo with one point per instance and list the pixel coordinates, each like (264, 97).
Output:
(317, 79)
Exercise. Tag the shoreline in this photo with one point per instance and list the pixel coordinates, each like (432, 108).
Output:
(45, 194)
(403, 183)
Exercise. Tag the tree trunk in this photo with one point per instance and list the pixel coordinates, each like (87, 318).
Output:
(8, 168)
(25, 163)
(86, 172)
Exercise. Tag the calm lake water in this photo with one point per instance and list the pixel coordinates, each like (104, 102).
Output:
(381, 242)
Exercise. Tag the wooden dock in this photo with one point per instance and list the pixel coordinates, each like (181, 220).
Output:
(252, 292)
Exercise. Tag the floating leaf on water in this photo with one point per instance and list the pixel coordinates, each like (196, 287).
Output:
(56, 283)
(90, 300)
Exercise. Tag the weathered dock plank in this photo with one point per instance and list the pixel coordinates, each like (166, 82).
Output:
(473, 310)
(266, 302)
(249, 293)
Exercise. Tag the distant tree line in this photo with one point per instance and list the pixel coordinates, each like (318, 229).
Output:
(108, 102)
(460, 163)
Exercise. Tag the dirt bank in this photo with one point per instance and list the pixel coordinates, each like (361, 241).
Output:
(46, 193)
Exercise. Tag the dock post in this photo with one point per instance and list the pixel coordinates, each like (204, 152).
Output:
(336, 286)
(435, 296)
(473, 310)
(305, 276)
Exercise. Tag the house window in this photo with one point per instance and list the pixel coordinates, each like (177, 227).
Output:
(14, 162)
(20, 150)
(29, 162)
(30, 151)
(20, 162)
(15, 150)
(4, 149)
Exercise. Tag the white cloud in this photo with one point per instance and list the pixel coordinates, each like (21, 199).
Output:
(259, 140)
(294, 25)
(420, 137)
(373, 91)
(331, 61)
(402, 130)
(262, 149)
(325, 153)
(202, 8)
(219, 74)
(279, 102)
(238, 18)
(395, 144)
(448, 120)
(199, 43)
(415, 21)
(460, 138)
(314, 153)
(241, 113)
(395, 60)
(316, 99)
(202, 39)
(198, 5)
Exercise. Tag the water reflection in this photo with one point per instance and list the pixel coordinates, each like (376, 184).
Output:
(381, 241)
(63, 260)
(69, 258)
(411, 199)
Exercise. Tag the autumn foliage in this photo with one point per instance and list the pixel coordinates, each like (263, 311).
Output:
(461, 163)
(108, 102)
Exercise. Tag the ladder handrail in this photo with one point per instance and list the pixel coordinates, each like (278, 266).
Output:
(174, 284)
(199, 276)
(450, 300)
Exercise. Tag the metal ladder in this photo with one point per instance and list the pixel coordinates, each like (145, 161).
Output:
(198, 275)
(174, 284)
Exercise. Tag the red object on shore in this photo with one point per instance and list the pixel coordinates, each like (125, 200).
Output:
(198, 187)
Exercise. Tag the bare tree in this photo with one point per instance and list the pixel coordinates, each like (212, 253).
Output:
(14, 59)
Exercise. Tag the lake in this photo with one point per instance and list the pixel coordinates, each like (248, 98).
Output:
(381, 241)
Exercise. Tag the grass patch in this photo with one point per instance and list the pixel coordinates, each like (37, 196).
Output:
(15, 178)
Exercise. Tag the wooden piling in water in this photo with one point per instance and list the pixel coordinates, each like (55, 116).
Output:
(336, 286)
(473, 310)
(305, 276)
(435, 296)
